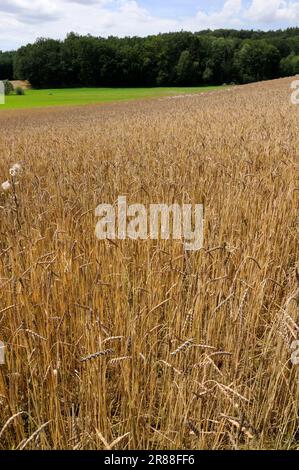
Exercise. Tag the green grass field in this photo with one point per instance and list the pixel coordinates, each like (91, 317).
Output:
(81, 96)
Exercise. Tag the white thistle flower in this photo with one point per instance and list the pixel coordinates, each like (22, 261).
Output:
(6, 186)
(15, 169)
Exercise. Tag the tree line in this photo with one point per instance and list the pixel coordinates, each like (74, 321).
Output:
(172, 59)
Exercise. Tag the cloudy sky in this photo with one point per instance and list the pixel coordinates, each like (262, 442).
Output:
(22, 21)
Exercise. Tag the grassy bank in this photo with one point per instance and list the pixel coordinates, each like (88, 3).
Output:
(81, 96)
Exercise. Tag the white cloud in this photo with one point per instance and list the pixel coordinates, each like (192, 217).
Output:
(259, 12)
(228, 16)
(273, 11)
(130, 15)
(87, 2)
(30, 10)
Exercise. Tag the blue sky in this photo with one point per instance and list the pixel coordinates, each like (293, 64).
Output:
(22, 21)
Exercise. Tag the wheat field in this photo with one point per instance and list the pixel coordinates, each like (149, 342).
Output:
(140, 344)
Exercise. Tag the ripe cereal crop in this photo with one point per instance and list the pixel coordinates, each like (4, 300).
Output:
(138, 344)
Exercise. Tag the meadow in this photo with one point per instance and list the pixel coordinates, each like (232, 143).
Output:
(82, 96)
(138, 344)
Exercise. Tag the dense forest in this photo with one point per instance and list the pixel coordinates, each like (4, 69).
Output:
(172, 59)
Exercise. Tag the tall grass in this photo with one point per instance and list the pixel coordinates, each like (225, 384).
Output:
(138, 344)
